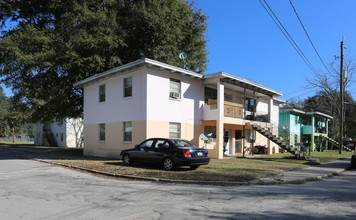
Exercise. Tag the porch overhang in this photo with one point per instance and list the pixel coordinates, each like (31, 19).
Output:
(240, 82)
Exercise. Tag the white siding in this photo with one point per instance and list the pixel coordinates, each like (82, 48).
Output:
(116, 108)
(160, 107)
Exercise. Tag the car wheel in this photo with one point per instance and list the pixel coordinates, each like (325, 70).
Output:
(126, 159)
(193, 167)
(168, 164)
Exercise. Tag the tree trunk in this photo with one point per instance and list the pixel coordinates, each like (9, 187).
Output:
(13, 135)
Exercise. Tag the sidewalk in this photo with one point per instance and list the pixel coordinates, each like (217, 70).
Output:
(312, 173)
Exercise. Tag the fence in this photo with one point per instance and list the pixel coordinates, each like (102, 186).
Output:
(17, 139)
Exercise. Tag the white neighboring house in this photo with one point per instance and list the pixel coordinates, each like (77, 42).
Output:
(146, 98)
(59, 133)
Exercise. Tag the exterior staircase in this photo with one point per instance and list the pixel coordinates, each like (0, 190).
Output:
(50, 138)
(335, 143)
(279, 141)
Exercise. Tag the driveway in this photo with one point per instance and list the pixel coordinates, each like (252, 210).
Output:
(34, 190)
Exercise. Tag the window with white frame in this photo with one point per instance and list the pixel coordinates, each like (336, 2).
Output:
(174, 130)
(128, 131)
(174, 89)
(128, 87)
(101, 132)
(102, 93)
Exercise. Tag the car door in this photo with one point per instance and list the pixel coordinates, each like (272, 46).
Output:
(159, 150)
(143, 151)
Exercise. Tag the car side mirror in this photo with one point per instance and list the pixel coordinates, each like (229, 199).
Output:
(137, 146)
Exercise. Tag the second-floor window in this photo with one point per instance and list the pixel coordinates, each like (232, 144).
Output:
(210, 94)
(249, 104)
(296, 120)
(174, 89)
(102, 93)
(128, 87)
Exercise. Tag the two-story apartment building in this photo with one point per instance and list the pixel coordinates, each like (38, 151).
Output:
(146, 98)
(66, 132)
(300, 128)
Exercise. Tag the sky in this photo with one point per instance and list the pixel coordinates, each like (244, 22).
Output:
(244, 41)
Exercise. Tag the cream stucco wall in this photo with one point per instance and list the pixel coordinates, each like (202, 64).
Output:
(113, 144)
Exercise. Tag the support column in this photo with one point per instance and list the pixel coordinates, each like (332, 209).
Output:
(220, 120)
(312, 136)
(270, 104)
(327, 134)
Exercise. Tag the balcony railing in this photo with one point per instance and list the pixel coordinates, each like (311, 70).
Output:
(231, 109)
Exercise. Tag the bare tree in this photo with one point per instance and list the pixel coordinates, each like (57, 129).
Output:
(76, 129)
(329, 81)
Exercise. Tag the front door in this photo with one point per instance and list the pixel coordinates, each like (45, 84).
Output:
(227, 136)
(238, 142)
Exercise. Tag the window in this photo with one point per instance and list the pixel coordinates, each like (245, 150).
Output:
(102, 93)
(249, 104)
(210, 94)
(128, 87)
(296, 119)
(62, 136)
(211, 130)
(127, 131)
(147, 143)
(162, 144)
(174, 89)
(174, 130)
(227, 97)
(101, 132)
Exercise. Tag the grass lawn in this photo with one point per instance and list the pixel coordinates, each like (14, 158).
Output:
(229, 169)
(232, 169)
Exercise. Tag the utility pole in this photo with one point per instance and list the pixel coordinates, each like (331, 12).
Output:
(341, 96)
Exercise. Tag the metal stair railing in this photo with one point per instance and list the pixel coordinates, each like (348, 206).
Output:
(276, 139)
(336, 143)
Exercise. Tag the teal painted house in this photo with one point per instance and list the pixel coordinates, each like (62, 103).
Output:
(298, 128)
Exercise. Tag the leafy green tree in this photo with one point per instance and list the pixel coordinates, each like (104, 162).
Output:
(19, 117)
(55, 43)
(4, 109)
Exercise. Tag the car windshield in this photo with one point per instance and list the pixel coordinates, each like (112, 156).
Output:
(183, 143)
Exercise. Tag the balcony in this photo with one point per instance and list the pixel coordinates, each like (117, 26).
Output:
(232, 110)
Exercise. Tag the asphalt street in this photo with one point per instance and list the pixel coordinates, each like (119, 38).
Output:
(34, 190)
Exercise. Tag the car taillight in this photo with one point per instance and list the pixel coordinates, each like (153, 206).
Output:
(186, 153)
(207, 154)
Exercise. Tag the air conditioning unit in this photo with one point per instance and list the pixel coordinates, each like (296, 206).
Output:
(174, 95)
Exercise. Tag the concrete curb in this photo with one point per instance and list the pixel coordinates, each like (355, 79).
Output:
(263, 181)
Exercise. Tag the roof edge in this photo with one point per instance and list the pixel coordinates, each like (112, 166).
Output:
(144, 61)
